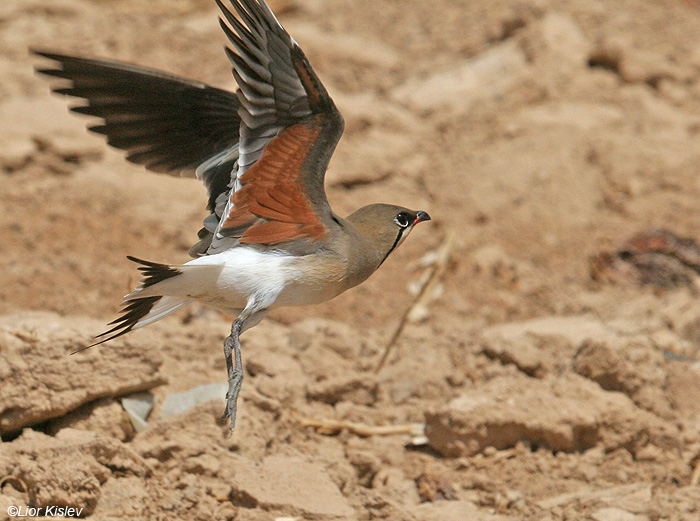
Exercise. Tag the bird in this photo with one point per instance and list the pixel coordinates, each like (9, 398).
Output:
(271, 238)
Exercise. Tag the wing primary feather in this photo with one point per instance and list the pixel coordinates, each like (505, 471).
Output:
(155, 153)
(267, 13)
(243, 32)
(140, 127)
(256, 8)
(251, 8)
(253, 51)
(251, 22)
(124, 110)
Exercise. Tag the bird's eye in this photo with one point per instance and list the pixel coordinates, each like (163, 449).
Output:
(402, 220)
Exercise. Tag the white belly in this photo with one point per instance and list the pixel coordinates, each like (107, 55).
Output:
(230, 279)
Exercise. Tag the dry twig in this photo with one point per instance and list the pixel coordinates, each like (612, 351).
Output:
(436, 271)
(14, 479)
(695, 477)
(18, 481)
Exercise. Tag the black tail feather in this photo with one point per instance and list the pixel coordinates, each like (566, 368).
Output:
(154, 272)
(133, 311)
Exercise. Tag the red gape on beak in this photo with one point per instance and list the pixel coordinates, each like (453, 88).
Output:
(420, 217)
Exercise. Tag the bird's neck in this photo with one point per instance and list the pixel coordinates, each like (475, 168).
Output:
(362, 255)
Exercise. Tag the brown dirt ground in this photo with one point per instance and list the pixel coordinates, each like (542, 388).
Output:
(539, 134)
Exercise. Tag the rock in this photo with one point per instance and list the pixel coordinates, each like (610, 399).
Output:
(486, 76)
(68, 470)
(393, 485)
(401, 391)
(104, 416)
(453, 511)
(378, 506)
(177, 403)
(289, 484)
(204, 465)
(596, 361)
(542, 345)
(39, 380)
(630, 365)
(276, 372)
(523, 353)
(621, 503)
(656, 256)
(566, 413)
(617, 356)
(363, 390)
(138, 407)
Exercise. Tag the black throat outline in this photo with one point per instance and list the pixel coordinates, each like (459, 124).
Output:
(393, 247)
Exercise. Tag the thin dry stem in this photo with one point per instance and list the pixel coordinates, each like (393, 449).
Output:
(436, 271)
(695, 478)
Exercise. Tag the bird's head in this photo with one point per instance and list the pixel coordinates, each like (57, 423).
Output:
(385, 226)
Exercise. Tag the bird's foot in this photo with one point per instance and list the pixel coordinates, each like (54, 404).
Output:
(230, 411)
(232, 346)
(234, 387)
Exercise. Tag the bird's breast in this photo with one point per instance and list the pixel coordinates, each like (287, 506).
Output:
(314, 279)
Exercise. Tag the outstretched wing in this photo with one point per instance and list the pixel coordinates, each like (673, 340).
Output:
(289, 129)
(166, 123)
(262, 152)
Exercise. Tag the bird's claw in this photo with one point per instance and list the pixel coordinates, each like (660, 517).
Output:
(230, 411)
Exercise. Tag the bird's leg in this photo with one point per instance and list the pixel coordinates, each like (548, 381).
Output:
(235, 372)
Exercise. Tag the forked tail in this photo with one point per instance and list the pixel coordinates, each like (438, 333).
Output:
(141, 311)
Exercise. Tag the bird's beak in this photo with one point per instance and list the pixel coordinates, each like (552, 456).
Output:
(420, 217)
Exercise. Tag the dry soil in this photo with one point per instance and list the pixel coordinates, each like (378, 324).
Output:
(552, 381)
